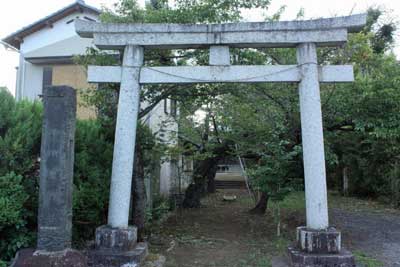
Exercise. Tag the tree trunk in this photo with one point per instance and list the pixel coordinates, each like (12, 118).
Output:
(345, 181)
(211, 188)
(261, 206)
(204, 171)
(139, 193)
(197, 189)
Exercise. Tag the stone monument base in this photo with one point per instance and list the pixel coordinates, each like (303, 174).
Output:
(109, 258)
(117, 247)
(35, 258)
(298, 258)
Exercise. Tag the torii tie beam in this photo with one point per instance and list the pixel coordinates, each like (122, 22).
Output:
(306, 36)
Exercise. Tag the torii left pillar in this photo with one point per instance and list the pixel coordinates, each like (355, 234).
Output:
(116, 243)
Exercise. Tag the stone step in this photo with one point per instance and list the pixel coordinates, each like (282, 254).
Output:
(230, 184)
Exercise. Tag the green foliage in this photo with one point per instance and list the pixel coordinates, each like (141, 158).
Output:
(362, 119)
(20, 132)
(183, 11)
(7, 104)
(93, 160)
(159, 210)
(20, 138)
(21, 125)
(272, 173)
(293, 202)
(13, 216)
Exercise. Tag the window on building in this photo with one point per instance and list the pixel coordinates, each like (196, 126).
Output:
(170, 109)
(166, 106)
(173, 108)
(187, 163)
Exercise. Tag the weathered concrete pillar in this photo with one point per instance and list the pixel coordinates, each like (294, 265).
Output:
(55, 191)
(317, 243)
(116, 243)
(312, 138)
(125, 137)
(220, 55)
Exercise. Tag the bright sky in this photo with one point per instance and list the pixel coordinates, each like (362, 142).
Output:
(16, 14)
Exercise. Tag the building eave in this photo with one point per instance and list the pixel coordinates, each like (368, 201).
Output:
(15, 39)
(59, 60)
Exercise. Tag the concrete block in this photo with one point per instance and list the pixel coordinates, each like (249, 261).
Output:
(319, 241)
(116, 239)
(65, 258)
(220, 55)
(298, 258)
(110, 258)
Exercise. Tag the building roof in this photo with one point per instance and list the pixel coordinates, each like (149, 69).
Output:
(15, 39)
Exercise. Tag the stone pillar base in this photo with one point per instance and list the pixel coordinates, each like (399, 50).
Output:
(116, 247)
(319, 248)
(35, 258)
(298, 258)
(319, 241)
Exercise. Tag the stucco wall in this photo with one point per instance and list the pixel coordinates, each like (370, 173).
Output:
(50, 35)
(165, 127)
(32, 81)
(75, 76)
(58, 40)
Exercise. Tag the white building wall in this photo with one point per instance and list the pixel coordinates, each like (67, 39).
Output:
(38, 44)
(50, 35)
(166, 128)
(32, 81)
(68, 47)
(165, 178)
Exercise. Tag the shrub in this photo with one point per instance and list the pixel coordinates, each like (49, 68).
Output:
(20, 132)
(93, 160)
(13, 216)
(20, 138)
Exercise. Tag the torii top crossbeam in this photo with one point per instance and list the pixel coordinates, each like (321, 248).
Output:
(323, 32)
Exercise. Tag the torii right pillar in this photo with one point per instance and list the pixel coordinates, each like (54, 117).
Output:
(318, 244)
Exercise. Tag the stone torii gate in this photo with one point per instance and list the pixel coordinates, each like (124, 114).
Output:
(306, 36)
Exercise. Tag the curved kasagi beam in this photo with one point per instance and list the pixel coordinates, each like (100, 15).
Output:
(323, 32)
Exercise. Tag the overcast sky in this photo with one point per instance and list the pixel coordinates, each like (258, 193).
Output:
(16, 14)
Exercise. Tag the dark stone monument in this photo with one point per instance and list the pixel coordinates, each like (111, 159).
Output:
(56, 176)
(56, 169)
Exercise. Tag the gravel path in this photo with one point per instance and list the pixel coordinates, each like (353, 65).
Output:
(378, 235)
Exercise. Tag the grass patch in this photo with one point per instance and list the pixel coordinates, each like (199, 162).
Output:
(295, 201)
(254, 260)
(366, 261)
(358, 205)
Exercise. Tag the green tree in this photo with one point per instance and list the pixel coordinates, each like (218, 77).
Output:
(201, 11)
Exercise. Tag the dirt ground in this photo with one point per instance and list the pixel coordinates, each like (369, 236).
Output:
(223, 234)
